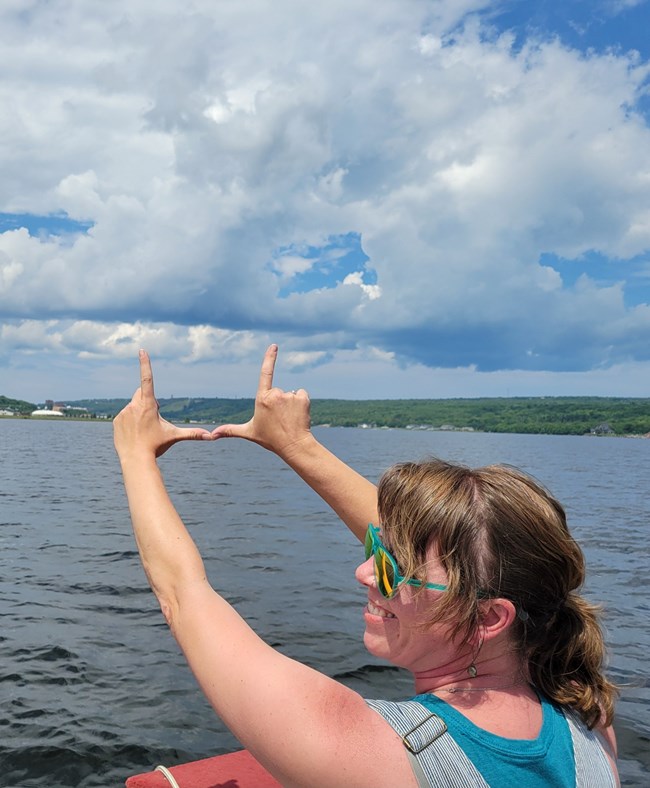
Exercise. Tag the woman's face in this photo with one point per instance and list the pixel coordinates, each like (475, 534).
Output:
(393, 626)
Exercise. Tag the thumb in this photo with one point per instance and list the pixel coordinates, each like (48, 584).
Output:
(232, 431)
(193, 434)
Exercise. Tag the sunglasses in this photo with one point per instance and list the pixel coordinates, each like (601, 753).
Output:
(387, 574)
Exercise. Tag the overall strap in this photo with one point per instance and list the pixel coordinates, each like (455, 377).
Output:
(436, 758)
(593, 770)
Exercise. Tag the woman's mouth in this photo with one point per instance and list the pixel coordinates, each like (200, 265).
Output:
(378, 611)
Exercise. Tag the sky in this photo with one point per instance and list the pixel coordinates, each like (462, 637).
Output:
(412, 198)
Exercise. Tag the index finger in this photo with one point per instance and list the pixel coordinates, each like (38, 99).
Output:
(146, 375)
(268, 365)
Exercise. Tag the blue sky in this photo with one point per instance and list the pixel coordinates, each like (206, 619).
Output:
(413, 198)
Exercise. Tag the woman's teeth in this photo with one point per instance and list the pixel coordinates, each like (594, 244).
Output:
(379, 611)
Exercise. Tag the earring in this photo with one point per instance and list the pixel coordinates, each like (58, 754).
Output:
(472, 670)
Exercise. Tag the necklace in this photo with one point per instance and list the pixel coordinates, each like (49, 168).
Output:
(517, 683)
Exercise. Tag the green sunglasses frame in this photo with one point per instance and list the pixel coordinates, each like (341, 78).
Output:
(376, 548)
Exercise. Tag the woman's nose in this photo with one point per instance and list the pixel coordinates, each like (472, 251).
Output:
(365, 573)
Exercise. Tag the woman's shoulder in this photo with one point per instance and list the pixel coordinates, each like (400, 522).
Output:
(595, 746)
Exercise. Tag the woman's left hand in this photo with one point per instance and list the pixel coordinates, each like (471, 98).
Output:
(139, 428)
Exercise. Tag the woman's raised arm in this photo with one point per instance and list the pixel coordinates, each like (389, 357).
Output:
(305, 728)
(281, 424)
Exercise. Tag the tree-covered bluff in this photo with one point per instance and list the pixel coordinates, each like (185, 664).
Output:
(541, 415)
(16, 405)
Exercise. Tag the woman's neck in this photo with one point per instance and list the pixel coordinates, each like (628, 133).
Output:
(492, 671)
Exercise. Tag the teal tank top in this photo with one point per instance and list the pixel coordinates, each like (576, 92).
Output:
(534, 763)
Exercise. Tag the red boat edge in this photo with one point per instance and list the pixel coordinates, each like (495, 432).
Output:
(234, 770)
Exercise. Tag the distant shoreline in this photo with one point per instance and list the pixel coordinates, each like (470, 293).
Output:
(361, 426)
(601, 416)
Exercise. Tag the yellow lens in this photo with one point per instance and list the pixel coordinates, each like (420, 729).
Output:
(385, 573)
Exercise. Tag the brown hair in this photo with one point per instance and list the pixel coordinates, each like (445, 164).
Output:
(499, 533)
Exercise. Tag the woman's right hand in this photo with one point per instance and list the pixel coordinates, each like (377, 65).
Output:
(281, 423)
(281, 420)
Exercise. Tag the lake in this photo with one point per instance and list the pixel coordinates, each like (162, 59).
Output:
(94, 688)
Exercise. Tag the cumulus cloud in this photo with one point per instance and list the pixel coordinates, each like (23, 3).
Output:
(300, 361)
(91, 339)
(216, 148)
(621, 5)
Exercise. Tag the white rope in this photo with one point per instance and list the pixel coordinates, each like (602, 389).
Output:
(168, 775)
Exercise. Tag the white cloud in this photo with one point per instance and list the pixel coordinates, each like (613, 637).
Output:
(299, 361)
(356, 278)
(202, 138)
(110, 341)
(621, 5)
(288, 265)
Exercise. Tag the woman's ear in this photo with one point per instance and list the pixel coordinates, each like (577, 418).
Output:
(497, 616)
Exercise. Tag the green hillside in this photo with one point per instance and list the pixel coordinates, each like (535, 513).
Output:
(549, 415)
(16, 405)
(214, 410)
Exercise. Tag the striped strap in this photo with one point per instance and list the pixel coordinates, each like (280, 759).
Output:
(593, 770)
(436, 758)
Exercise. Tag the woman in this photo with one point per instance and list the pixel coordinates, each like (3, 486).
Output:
(471, 580)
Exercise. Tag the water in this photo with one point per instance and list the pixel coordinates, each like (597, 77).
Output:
(93, 687)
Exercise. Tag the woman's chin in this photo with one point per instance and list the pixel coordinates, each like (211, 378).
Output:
(376, 645)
